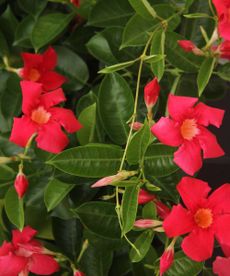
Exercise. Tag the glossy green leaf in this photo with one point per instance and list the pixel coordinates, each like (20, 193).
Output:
(138, 145)
(205, 74)
(129, 207)
(100, 218)
(23, 32)
(14, 208)
(110, 13)
(6, 172)
(55, 23)
(115, 107)
(143, 8)
(149, 211)
(116, 67)
(158, 160)
(33, 7)
(224, 72)
(158, 47)
(4, 46)
(85, 101)
(95, 160)
(182, 265)
(142, 243)
(73, 67)
(55, 192)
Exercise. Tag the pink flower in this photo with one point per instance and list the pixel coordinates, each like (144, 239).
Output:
(151, 93)
(79, 273)
(40, 68)
(186, 45)
(186, 130)
(21, 184)
(41, 117)
(145, 223)
(205, 218)
(25, 255)
(166, 260)
(223, 12)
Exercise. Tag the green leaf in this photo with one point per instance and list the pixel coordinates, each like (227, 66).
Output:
(138, 145)
(14, 208)
(158, 160)
(73, 67)
(116, 67)
(100, 218)
(6, 172)
(182, 265)
(55, 192)
(110, 13)
(142, 243)
(115, 107)
(33, 7)
(55, 23)
(196, 15)
(158, 47)
(143, 8)
(4, 46)
(23, 32)
(129, 207)
(126, 183)
(224, 72)
(187, 62)
(149, 211)
(95, 160)
(205, 74)
(137, 30)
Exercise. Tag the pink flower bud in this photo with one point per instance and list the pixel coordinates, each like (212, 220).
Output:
(75, 3)
(79, 273)
(137, 126)
(145, 197)
(113, 178)
(166, 260)
(21, 184)
(147, 223)
(151, 93)
(162, 210)
(186, 45)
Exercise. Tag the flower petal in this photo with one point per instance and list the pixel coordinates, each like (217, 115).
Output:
(31, 92)
(221, 266)
(222, 226)
(52, 98)
(192, 191)
(23, 237)
(12, 265)
(178, 222)
(43, 264)
(178, 105)
(49, 59)
(18, 136)
(66, 118)
(188, 157)
(51, 138)
(32, 60)
(209, 144)
(220, 199)
(167, 132)
(198, 245)
(5, 248)
(52, 80)
(207, 115)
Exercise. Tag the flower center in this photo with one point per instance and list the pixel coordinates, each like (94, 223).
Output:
(203, 217)
(189, 129)
(34, 75)
(40, 116)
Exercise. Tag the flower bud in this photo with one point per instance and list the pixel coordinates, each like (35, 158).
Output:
(162, 210)
(167, 258)
(5, 160)
(145, 197)
(186, 45)
(151, 93)
(147, 223)
(21, 184)
(137, 126)
(122, 175)
(79, 273)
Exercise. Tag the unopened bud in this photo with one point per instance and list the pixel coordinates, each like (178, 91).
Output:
(5, 160)
(137, 126)
(162, 210)
(186, 45)
(145, 197)
(21, 184)
(75, 3)
(147, 223)
(122, 175)
(151, 93)
(78, 273)
(167, 258)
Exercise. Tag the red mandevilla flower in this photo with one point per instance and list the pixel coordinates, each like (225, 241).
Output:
(151, 93)
(225, 49)
(39, 68)
(41, 117)
(25, 255)
(75, 3)
(186, 130)
(223, 11)
(21, 184)
(221, 266)
(205, 218)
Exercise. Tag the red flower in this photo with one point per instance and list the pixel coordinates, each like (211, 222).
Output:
(151, 93)
(25, 255)
(41, 117)
(75, 3)
(166, 260)
(223, 11)
(221, 266)
(186, 45)
(225, 49)
(21, 184)
(39, 68)
(205, 218)
(186, 130)
(79, 273)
